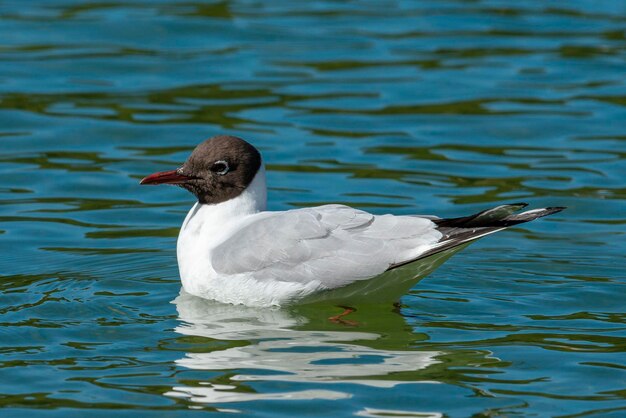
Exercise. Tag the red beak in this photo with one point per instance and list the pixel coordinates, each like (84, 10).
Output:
(165, 177)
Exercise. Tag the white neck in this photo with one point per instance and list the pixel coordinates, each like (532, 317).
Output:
(251, 200)
(208, 225)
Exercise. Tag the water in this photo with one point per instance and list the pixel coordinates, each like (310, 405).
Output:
(443, 107)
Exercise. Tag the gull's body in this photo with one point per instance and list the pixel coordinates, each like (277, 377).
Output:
(232, 250)
(236, 252)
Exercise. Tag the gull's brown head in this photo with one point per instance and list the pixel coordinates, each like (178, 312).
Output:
(218, 169)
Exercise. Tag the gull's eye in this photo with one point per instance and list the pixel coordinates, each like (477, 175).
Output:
(220, 167)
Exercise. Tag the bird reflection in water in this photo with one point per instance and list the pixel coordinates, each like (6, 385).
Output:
(300, 345)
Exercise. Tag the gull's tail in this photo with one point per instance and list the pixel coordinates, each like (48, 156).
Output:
(459, 231)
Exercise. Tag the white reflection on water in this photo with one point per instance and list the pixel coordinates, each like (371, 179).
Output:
(281, 351)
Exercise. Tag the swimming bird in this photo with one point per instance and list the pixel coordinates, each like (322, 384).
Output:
(231, 249)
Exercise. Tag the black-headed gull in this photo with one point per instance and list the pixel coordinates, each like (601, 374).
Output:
(232, 250)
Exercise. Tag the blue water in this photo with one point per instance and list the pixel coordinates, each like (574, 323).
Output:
(443, 107)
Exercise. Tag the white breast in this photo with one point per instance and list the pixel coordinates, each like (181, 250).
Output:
(204, 228)
(207, 225)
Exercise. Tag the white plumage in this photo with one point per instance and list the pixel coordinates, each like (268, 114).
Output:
(236, 252)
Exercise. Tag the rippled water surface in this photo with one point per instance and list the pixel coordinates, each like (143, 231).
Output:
(444, 107)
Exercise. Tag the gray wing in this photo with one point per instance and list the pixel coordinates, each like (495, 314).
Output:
(333, 244)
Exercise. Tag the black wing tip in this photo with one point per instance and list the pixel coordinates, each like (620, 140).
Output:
(549, 210)
(554, 209)
(457, 232)
(480, 220)
(531, 215)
